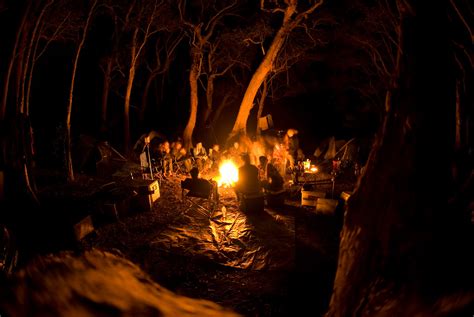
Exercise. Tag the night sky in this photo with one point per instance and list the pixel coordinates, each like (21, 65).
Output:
(317, 95)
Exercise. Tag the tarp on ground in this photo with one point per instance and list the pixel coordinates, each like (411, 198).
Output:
(229, 237)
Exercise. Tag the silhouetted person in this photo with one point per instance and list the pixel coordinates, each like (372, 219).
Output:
(272, 180)
(248, 182)
(197, 186)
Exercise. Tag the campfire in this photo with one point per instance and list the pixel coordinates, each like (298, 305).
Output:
(229, 174)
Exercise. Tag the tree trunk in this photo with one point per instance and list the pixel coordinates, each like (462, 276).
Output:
(391, 225)
(128, 92)
(105, 94)
(209, 97)
(265, 67)
(261, 103)
(193, 104)
(6, 82)
(70, 171)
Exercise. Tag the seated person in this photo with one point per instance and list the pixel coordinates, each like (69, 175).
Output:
(180, 156)
(248, 182)
(272, 180)
(197, 186)
(215, 156)
(164, 156)
(200, 155)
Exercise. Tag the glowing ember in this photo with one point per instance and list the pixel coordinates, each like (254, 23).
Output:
(229, 174)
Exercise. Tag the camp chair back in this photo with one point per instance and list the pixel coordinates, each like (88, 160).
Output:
(199, 193)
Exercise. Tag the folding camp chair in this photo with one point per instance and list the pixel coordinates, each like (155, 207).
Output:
(199, 195)
(179, 166)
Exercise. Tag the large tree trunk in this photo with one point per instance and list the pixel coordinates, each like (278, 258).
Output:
(70, 171)
(240, 125)
(128, 92)
(193, 103)
(395, 216)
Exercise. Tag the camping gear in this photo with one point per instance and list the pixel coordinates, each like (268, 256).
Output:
(97, 157)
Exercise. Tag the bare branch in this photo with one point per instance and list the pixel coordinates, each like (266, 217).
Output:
(209, 29)
(53, 36)
(222, 73)
(463, 20)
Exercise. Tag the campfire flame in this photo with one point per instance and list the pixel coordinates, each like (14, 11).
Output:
(229, 174)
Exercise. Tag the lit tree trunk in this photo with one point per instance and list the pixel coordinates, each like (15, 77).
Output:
(390, 224)
(261, 103)
(291, 19)
(193, 103)
(265, 67)
(70, 171)
(128, 92)
(135, 51)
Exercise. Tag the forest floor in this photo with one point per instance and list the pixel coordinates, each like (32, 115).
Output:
(280, 265)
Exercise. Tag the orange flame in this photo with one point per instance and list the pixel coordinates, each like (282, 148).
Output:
(229, 174)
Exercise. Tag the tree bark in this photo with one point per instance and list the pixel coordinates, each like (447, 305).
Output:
(193, 103)
(261, 103)
(70, 170)
(128, 92)
(105, 94)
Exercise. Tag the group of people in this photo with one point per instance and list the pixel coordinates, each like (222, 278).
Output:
(270, 156)
(170, 158)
